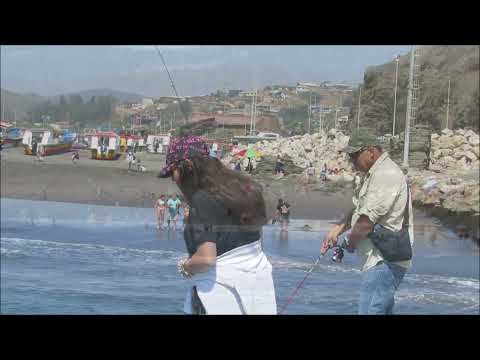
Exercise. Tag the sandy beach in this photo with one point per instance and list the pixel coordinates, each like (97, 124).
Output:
(110, 183)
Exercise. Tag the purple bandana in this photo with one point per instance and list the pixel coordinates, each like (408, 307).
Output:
(183, 148)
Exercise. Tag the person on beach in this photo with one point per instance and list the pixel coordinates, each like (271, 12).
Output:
(75, 157)
(250, 166)
(381, 224)
(173, 205)
(34, 147)
(159, 207)
(279, 166)
(324, 172)
(129, 160)
(283, 209)
(226, 265)
(310, 174)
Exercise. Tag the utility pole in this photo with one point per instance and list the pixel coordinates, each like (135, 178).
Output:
(448, 102)
(320, 115)
(255, 113)
(251, 115)
(359, 99)
(410, 107)
(223, 115)
(397, 59)
(309, 110)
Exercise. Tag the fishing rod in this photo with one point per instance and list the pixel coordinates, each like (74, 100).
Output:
(290, 299)
(171, 83)
(337, 257)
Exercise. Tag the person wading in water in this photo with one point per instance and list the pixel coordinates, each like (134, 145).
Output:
(381, 223)
(226, 265)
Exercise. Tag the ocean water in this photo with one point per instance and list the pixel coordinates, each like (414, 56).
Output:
(64, 258)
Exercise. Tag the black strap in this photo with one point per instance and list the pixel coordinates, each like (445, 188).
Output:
(406, 212)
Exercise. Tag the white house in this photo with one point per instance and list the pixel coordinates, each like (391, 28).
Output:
(147, 102)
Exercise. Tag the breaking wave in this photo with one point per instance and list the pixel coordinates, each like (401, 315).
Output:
(34, 247)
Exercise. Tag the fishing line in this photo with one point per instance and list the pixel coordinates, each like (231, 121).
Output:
(171, 82)
(290, 299)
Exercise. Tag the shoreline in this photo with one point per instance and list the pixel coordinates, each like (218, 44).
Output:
(110, 183)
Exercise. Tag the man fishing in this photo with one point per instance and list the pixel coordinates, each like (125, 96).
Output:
(381, 224)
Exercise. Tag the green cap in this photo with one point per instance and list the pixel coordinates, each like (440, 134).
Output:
(361, 139)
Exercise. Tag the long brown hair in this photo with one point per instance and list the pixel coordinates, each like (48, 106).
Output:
(241, 196)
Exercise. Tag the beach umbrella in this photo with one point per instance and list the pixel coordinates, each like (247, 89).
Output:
(242, 153)
(251, 153)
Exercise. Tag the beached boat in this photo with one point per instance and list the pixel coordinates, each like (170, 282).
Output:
(47, 142)
(135, 143)
(157, 144)
(10, 136)
(105, 145)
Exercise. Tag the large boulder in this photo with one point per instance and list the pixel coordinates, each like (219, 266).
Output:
(458, 140)
(442, 152)
(470, 133)
(446, 142)
(470, 156)
(476, 150)
(474, 140)
(447, 132)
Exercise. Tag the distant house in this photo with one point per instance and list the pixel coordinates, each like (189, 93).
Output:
(147, 102)
(233, 93)
(305, 87)
(238, 123)
(278, 94)
(247, 93)
(321, 109)
(343, 119)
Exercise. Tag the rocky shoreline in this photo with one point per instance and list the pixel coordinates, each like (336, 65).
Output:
(449, 187)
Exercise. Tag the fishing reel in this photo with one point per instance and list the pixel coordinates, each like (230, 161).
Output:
(338, 254)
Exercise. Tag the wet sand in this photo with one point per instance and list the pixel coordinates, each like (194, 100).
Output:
(110, 183)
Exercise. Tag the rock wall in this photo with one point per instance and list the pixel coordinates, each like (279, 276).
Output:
(319, 149)
(449, 192)
(457, 149)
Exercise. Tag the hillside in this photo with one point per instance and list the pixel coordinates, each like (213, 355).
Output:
(121, 96)
(437, 64)
(16, 106)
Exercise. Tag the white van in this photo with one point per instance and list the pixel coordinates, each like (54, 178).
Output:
(269, 135)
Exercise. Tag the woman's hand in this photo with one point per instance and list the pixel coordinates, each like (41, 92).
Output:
(204, 258)
(182, 270)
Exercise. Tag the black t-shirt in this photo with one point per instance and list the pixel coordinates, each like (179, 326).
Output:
(281, 211)
(210, 221)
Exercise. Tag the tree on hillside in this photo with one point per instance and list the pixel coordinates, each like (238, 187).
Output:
(186, 107)
(295, 119)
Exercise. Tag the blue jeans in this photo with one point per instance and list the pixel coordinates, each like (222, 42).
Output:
(379, 283)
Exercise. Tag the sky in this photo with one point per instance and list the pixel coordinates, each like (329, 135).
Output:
(196, 70)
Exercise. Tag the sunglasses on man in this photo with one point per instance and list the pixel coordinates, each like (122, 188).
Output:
(354, 156)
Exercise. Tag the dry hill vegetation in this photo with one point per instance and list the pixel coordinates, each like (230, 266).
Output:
(437, 65)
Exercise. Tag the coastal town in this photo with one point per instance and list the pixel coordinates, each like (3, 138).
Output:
(106, 151)
(246, 131)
